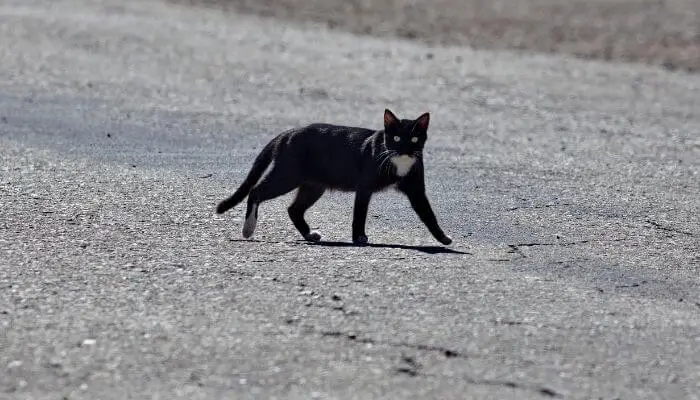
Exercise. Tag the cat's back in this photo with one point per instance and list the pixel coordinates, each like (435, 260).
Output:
(332, 132)
(327, 154)
(320, 137)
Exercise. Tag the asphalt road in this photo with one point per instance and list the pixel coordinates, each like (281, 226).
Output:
(571, 189)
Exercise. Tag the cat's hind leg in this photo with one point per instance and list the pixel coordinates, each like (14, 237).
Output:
(277, 183)
(307, 195)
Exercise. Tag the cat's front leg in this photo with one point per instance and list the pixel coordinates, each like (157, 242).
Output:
(421, 205)
(362, 198)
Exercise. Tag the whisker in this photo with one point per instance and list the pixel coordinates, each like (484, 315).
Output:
(383, 153)
(386, 164)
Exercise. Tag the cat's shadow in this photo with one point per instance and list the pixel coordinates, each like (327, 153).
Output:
(422, 249)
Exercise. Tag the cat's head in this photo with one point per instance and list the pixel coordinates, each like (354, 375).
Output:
(405, 136)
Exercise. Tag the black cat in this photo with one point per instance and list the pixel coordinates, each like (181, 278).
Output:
(323, 156)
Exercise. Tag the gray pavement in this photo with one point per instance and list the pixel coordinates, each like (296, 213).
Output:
(571, 189)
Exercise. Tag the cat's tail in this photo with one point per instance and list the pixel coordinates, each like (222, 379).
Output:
(262, 161)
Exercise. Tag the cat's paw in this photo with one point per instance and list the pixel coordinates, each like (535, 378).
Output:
(313, 236)
(248, 228)
(361, 240)
(446, 240)
(250, 222)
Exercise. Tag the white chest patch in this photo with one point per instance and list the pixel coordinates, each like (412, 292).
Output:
(403, 164)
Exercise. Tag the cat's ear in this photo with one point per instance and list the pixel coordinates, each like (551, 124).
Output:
(423, 121)
(389, 118)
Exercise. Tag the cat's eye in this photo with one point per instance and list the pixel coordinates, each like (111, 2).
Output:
(396, 138)
(414, 139)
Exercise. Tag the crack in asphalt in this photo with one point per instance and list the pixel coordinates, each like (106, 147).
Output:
(544, 391)
(412, 368)
(667, 229)
(516, 248)
(509, 322)
(550, 244)
(539, 206)
(446, 352)
(407, 370)
(341, 308)
(633, 285)
(338, 306)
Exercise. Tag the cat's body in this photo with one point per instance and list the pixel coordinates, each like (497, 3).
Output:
(322, 157)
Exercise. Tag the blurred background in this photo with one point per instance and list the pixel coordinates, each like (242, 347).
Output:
(659, 32)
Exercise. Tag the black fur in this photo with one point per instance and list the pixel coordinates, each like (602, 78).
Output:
(323, 156)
